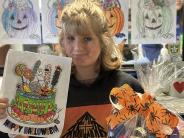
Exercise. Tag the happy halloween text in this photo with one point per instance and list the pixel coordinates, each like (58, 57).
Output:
(30, 130)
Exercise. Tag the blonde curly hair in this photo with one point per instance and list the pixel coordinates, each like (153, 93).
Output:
(82, 15)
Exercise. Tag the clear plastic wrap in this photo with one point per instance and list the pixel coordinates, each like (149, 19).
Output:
(157, 77)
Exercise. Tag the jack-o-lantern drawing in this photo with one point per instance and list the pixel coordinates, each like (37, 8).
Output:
(114, 15)
(19, 18)
(154, 19)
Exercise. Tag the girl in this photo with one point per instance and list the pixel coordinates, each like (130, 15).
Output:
(96, 61)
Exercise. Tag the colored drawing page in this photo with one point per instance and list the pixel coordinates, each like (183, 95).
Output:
(116, 12)
(51, 11)
(153, 21)
(20, 22)
(37, 88)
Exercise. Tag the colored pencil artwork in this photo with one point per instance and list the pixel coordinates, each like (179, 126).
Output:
(37, 88)
(116, 12)
(20, 22)
(153, 21)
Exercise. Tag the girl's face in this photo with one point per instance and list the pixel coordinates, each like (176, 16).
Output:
(83, 49)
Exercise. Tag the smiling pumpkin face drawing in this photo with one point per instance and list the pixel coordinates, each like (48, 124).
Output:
(18, 23)
(153, 18)
(19, 20)
(115, 18)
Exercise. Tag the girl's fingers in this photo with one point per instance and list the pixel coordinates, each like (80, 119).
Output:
(3, 100)
(3, 116)
(3, 105)
(2, 111)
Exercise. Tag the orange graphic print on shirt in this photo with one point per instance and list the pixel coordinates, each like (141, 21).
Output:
(86, 121)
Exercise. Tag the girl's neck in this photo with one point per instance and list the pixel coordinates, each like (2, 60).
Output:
(86, 73)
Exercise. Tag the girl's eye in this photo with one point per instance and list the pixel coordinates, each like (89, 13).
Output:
(87, 39)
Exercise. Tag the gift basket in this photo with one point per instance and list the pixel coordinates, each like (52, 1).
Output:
(138, 115)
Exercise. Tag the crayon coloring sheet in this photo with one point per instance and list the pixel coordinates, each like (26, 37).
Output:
(37, 88)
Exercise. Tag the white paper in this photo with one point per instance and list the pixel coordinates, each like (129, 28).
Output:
(37, 88)
(20, 22)
(1, 81)
(51, 9)
(153, 22)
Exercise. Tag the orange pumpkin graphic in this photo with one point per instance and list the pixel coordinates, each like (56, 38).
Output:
(115, 19)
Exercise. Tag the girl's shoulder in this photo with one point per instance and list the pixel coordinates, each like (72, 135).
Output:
(120, 77)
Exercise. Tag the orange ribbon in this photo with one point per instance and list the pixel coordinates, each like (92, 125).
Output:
(159, 121)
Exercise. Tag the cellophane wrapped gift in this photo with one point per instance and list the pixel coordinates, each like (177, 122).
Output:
(137, 115)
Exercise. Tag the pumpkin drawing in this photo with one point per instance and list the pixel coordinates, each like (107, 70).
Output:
(154, 19)
(115, 18)
(19, 18)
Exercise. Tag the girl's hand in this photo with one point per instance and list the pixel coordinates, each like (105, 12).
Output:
(3, 107)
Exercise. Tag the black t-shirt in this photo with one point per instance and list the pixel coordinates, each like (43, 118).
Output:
(98, 93)
(88, 106)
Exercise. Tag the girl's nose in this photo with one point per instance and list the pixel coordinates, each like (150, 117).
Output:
(78, 44)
